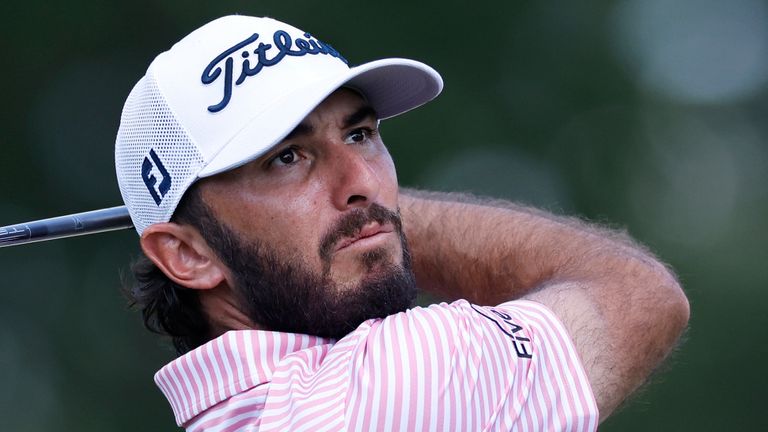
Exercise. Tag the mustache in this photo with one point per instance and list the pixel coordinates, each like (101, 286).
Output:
(354, 221)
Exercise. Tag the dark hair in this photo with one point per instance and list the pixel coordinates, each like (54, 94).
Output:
(168, 308)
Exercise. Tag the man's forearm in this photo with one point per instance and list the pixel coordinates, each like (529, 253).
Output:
(491, 251)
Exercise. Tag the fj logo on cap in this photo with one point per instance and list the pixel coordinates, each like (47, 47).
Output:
(149, 171)
(283, 46)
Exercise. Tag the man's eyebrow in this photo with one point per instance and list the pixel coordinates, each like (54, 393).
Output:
(300, 129)
(362, 113)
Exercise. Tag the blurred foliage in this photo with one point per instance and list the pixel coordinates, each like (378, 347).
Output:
(568, 106)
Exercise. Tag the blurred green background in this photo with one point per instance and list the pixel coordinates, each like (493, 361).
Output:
(644, 114)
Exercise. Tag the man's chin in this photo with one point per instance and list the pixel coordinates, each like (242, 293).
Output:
(385, 290)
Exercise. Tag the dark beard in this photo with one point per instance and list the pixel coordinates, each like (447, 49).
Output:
(280, 293)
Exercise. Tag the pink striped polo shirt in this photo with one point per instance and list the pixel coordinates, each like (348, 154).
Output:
(447, 367)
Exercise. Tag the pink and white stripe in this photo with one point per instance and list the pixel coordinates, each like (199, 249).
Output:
(441, 368)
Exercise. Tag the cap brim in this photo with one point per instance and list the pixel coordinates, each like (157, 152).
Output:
(391, 86)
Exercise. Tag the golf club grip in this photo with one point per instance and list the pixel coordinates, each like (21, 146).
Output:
(96, 221)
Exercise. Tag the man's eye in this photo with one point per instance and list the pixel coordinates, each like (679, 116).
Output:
(359, 135)
(285, 157)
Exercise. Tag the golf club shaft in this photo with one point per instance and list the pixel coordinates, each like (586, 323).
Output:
(96, 221)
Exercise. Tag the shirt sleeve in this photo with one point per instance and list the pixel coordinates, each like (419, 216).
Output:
(465, 367)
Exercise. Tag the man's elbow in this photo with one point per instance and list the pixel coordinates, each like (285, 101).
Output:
(673, 308)
(680, 311)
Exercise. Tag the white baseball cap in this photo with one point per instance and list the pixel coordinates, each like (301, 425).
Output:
(227, 93)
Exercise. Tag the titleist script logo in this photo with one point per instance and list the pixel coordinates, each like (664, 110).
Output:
(283, 46)
(149, 169)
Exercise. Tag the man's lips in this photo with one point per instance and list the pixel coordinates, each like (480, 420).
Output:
(369, 230)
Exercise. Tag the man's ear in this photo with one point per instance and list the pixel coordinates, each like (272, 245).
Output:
(183, 255)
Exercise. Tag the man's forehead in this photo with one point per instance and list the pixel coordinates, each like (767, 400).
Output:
(344, 107)
(343, 101)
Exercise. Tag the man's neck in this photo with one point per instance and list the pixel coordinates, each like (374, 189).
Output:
(220, 307)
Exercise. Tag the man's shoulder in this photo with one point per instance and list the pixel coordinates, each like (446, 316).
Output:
(458, 317)
(513, 326)
(461, 309)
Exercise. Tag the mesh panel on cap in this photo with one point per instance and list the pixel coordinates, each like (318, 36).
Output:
(148, 123)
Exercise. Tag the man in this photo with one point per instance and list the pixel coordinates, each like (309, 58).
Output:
(283, 259)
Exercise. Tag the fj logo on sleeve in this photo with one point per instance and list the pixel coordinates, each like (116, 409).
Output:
(504, 321)
(150, 170)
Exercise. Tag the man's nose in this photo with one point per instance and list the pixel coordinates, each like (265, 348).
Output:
(356, 183)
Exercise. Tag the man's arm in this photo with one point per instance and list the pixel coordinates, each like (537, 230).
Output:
(623, 309)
